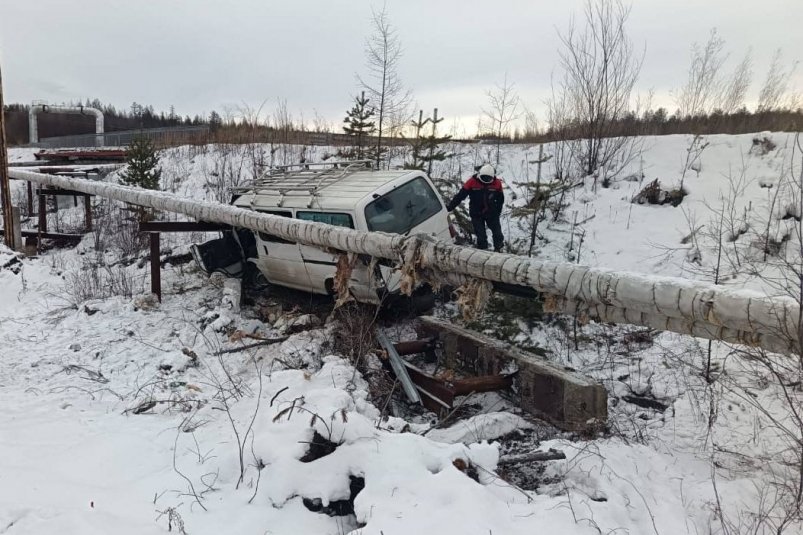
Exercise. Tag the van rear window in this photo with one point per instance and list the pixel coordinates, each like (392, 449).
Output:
(403, 208)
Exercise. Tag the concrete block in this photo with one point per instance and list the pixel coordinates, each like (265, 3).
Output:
(565, 398)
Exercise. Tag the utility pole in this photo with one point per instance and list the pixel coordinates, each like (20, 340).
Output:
(5, 190)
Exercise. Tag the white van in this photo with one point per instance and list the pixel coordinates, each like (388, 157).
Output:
(345, 194)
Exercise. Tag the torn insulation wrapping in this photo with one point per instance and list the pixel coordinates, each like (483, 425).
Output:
(473, 297)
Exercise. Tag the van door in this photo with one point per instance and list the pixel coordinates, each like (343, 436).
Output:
(322, 265)
(279, 259)
(410, 208)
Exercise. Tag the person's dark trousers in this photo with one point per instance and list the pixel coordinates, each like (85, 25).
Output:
(492, 222)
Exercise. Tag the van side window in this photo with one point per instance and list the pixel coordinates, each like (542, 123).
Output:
(330, 218)
(269, 237)
(405, 207)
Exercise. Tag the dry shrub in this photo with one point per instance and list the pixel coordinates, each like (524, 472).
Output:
(653, 193)
(117, 227)
(762, 145)
(354, 335)
(94, 279)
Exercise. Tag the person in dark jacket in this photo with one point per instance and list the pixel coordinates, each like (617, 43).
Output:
(486, 198)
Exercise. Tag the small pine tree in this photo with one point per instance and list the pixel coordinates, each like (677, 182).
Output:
(426, 148)
(143, 165)
(215, 121)
(358, 122)
(417, 144)
(432, 144)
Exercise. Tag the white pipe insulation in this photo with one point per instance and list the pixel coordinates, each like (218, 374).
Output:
(774, 323)
(36, 109)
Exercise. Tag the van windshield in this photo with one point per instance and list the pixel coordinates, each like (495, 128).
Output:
(403, 208)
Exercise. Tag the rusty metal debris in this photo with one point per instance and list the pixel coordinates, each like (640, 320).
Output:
(399, 369)
(436, 393)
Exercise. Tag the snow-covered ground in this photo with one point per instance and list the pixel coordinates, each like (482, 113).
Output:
(119, 417)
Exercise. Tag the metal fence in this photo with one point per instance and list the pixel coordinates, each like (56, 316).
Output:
(161, 136)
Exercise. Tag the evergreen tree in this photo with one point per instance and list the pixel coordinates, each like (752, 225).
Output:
(426, 148)
(417, 143)
(215, 121)
(358, 122)
(432, 144)
(143, 165)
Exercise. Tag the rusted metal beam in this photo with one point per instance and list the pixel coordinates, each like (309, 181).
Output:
(484, 383)
(27, 233)
(432, 385)
(156, 267)
(66, 192)
(412, 347)
(445, 392)
(181, 226)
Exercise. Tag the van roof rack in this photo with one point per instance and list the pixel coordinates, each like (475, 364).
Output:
(302, 179)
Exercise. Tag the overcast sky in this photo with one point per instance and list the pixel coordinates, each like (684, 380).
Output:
(200, 55)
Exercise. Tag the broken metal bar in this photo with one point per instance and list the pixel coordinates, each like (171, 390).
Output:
(446, 391)
(484, 383)
(399, 368)
(412, 347)
(432, 385)
(181, 226)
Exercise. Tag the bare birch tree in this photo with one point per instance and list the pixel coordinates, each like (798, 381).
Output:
(707, 87)
(737, 85)
(601, 68)
(383, 50)
(774, 94)
(502, 109)
(704, 84)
